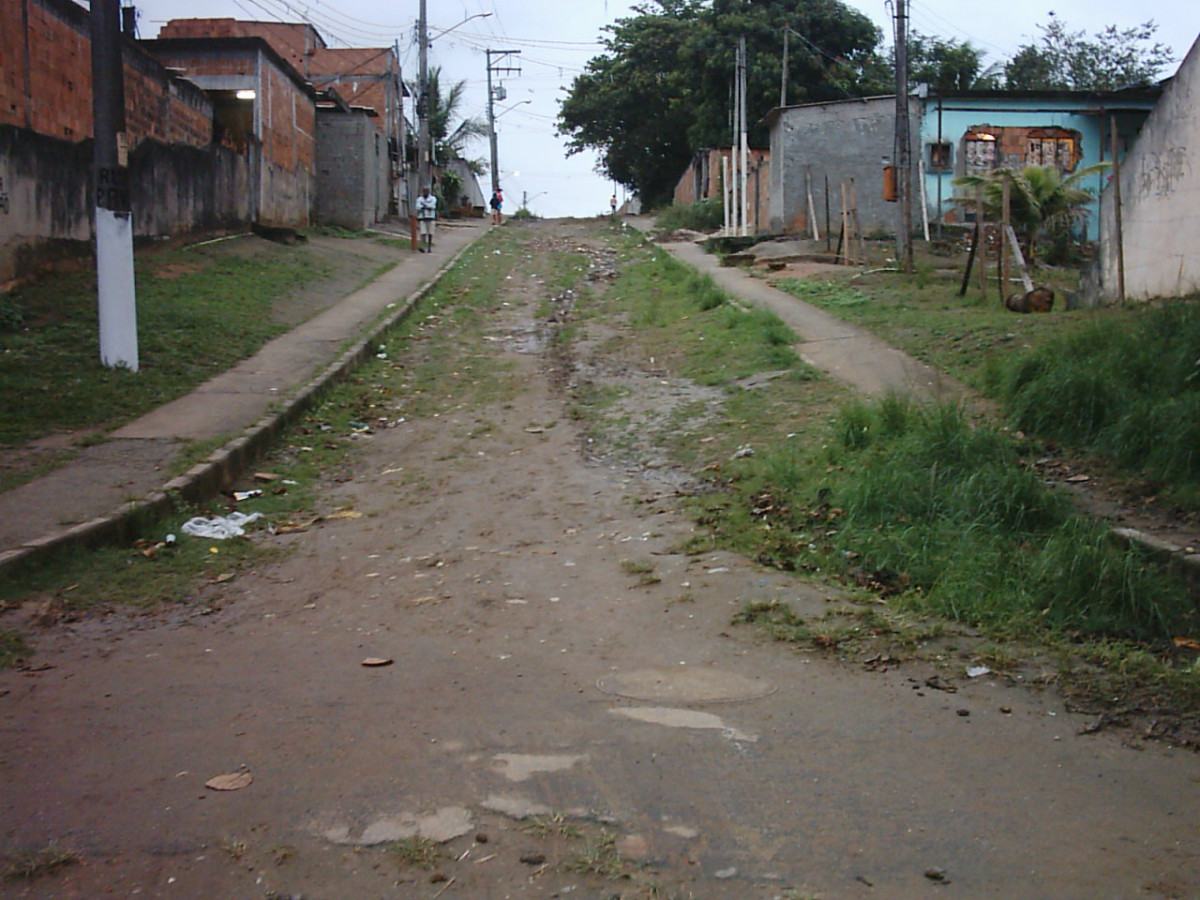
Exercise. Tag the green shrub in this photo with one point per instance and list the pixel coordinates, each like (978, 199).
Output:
(706, 215)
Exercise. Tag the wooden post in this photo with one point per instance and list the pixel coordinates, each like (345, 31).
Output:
(860, 255)
(962, 292)
(847, 238)
(979, 218)
(1006, 224)
(1120, 235)
(828, 228)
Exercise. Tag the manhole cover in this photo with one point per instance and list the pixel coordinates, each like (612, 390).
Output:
(685, 685)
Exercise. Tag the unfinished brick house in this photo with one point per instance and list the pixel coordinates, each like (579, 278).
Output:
(179, 182)
(364, 78)
(263, 109)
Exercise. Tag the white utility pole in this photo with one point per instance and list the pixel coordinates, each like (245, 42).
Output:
(734, 154)
(491, 113)
(114, 218)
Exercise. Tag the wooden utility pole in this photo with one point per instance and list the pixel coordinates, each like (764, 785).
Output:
(424, 151)
(743, 145)
(1120, 236)
(904, 250)
(110, 184)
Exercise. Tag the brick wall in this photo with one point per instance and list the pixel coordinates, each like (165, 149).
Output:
(59, 100)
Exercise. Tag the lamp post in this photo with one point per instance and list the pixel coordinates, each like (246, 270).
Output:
(424, 150)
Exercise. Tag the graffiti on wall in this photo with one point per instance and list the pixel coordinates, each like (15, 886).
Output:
(1160, 173)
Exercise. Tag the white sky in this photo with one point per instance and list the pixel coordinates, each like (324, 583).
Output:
(557, 38)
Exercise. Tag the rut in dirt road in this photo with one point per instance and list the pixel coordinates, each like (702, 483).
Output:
(568, 711)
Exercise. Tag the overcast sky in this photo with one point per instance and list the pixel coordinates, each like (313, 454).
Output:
(557, 38)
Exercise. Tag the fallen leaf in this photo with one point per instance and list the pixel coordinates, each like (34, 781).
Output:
(377, 661)
(222, 578)
(1079, 479)
(344, 514)
(1186, 643)
(266, 476)
(234, 781)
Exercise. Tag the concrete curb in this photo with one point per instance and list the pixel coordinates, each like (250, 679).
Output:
(223, 467)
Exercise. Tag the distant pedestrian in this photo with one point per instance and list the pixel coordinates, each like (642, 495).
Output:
(612, 203)
(426, 220)
(496, 203)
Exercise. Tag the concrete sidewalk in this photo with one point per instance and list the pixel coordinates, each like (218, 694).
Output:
(98, 494)
(852, 355)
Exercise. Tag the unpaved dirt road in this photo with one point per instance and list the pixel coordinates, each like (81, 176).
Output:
(561, 727)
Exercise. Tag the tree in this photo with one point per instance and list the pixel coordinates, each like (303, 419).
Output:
(947, 65)
(450, 140)
(661, 90)
(1066, 60)
(1041, 198)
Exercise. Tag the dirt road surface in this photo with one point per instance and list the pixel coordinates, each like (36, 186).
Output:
(557, 723)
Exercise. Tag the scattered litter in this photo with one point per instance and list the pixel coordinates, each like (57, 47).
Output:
(344, 514)
(219, 527)
(239, 496)
(977, 671)
(743, 451)
(222, 578)
(938, 684)
(725, 873)
(1186, 643)
(169, 539)
(375, 662)
(718, 570)
(938, 875)
(962, 712)
(235, 781)
(1079, 479)
(267, 476)
(533, 859)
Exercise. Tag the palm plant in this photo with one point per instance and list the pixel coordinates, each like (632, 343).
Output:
(1040, 198)
(450, 138)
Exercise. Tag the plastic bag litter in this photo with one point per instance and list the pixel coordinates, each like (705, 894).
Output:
(219, 527)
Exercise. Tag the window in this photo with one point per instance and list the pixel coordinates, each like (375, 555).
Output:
(980, 150)
(1055, 147)
(941, 156)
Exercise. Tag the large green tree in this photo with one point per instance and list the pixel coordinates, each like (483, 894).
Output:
(1112, 59)
(947, 65)
(662, 89)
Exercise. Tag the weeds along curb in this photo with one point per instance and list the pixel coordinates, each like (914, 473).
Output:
(224, 466)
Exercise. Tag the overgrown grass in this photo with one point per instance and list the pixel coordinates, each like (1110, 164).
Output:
(705, 215)
(702, 335)
(13, 649)
(198, 313)
(1128, 389)
(924, 505)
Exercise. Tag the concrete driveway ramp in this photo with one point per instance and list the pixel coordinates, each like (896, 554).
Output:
(685, 684)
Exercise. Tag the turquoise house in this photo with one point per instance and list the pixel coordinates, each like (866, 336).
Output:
(973, 132)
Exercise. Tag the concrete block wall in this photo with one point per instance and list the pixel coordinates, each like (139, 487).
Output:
(840, 141)
(346, 163)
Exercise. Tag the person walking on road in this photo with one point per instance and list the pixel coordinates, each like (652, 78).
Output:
(426, 220)
(497, 201)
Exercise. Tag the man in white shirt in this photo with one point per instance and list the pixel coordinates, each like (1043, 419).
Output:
(426, 220)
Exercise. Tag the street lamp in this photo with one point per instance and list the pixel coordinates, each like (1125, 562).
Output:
(423, 143)
(509, 109)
